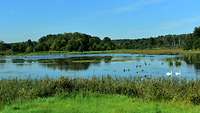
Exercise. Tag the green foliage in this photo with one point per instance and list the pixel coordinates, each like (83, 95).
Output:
(168, 41)
(71, 42)
(2, 46)
(197, 32)
(29, 49)
(193, 42)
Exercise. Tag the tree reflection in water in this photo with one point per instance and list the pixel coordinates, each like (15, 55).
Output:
(75, 64)
(193, 60)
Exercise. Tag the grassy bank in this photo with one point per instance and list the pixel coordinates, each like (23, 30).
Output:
(147, 51)
(158, 89)
(95, 103)
(124, 51)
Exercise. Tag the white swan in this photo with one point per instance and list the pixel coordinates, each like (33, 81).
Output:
(178, 73)
(169, 73)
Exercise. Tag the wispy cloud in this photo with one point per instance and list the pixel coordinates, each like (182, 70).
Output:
(140, 4)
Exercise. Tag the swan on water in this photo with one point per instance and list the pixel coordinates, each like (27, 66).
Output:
(169, 73)
(178, 73)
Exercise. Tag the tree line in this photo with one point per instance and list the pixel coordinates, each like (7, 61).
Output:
(83, 42)
(61, 42)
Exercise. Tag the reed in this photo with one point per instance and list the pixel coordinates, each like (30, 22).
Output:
(167, 89)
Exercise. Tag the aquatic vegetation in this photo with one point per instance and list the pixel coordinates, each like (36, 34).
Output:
(178, 63)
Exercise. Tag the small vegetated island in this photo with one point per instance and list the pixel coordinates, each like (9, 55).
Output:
(106, 94)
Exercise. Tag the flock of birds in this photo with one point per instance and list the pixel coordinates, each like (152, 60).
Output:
(171, 73)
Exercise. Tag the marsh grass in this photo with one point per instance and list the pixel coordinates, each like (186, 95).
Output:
(156, 89)
(122, 51)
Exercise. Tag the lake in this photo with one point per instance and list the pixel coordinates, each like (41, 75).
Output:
(89, 65)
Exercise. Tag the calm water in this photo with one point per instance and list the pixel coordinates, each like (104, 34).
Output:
(100, 65)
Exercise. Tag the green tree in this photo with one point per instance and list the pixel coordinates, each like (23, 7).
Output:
(2, 46)
(29, 49)
(196, 32)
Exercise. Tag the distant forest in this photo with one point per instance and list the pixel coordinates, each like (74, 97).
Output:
(83, 42)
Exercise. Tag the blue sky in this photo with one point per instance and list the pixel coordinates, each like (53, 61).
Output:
(21, 20)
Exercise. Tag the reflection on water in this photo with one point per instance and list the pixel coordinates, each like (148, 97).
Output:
(2, 61)
(101, 65)
(75, 64)
(192, 59)
(173, 62)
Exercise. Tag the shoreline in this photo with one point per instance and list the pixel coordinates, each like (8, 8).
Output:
(120, 51)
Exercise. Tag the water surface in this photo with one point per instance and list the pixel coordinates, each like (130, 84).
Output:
(89, 65)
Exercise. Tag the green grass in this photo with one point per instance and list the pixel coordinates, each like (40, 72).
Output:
(94, 103)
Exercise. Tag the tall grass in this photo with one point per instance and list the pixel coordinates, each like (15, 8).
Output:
(159, 89)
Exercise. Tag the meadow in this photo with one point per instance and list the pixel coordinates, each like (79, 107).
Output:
(96, 103)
